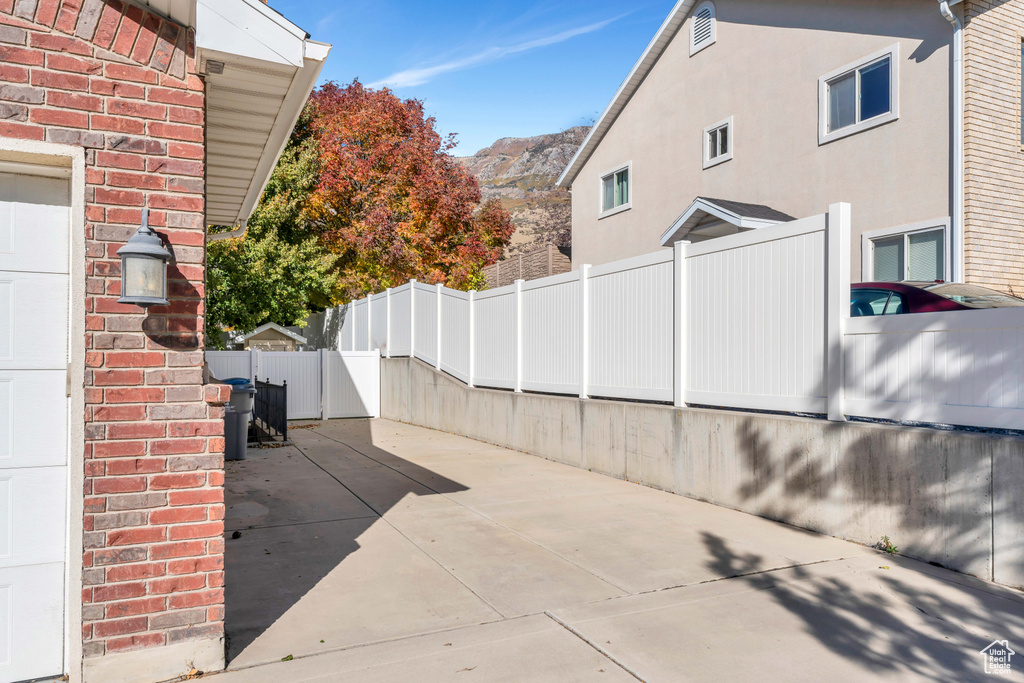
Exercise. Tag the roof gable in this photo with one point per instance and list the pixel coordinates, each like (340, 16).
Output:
(275, 328)
(708, 218)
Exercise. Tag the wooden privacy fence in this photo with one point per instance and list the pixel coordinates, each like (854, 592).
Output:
(758, 320)
(321, 384)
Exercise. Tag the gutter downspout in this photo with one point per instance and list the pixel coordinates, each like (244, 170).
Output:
(958, 142)
(217, 237)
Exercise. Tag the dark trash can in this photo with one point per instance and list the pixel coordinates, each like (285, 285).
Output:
(236, 433)
(243, 394)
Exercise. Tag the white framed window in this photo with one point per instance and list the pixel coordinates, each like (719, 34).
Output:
(719, 141)
(703, 27)
(859, 96)
(916, 253)
(616, 191)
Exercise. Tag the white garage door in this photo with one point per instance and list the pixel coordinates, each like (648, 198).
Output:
(34, 243)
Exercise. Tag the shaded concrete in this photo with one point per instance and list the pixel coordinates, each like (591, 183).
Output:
(472, 562)
(942, 496)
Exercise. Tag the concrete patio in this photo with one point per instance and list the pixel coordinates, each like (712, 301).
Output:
(376, 551)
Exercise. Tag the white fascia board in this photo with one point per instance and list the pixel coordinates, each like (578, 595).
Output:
(299, 92)
(247, 28)
(678, 231)
(636, 76)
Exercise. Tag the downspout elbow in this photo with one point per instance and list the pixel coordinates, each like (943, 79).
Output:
(220, 236)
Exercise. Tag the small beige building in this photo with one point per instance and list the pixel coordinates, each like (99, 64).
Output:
(782, 107)
(272, 337)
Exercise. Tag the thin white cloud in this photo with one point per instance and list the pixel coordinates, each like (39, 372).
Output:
(419, 76)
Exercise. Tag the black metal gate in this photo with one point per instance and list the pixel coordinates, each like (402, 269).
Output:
(269, 413)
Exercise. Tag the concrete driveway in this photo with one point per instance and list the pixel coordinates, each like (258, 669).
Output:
(376, 551)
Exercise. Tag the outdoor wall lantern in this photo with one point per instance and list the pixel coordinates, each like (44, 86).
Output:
(144, 268)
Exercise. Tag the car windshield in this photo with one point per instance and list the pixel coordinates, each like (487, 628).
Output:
(974, 296)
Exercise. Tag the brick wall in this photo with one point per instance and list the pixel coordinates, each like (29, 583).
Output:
(537, 264)
(121, 82)
(994, 181)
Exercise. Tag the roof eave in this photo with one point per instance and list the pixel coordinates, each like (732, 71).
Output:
(678, 230)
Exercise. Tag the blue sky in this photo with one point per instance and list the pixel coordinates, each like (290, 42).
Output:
(486, 69)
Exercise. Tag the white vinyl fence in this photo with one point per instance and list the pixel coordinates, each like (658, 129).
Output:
(758, 320)
(321, 384)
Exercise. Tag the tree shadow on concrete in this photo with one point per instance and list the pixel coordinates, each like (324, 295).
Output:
(871, 628)
(292, 517)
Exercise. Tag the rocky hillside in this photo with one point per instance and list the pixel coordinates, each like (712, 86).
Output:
(522, 173)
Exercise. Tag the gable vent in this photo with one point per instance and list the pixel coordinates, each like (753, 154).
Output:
(702, 32)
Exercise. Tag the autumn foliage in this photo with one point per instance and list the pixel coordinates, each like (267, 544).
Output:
(367, 196)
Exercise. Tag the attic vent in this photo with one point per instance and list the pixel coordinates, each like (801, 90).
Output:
(214, 68)
(703, 29)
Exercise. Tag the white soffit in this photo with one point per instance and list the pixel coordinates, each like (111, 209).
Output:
(269, 69)
(650, 57)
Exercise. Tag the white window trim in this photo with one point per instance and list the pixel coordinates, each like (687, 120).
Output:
(708, 161)
(694, 47)
(601, 213)
(867, 245)
(824, 136)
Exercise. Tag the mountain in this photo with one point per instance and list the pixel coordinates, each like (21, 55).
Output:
(521, 173)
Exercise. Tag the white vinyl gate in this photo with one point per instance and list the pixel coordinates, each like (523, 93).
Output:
(321, 384)
(34, 280)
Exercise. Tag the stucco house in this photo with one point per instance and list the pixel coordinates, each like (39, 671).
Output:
(111, 447)
(907, 109)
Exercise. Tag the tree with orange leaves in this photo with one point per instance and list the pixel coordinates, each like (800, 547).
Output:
(391, 203)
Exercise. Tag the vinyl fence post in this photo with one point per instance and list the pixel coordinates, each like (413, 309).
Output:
(369, 323)
(519, 337)
(412, 318)
(440, 297)
(324, 392)
(837, 305)
(472, 337)
(253, 368)
(352, 312)
(387, 325)
(682, 329)
(584, 332)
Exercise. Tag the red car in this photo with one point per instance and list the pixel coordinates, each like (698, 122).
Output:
(896, 298)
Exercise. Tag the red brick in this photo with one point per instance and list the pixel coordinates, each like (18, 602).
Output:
(176, 584)
(169, 551)
(118, 591)
(177, 97)
(179, 480)
(136, 466)
(60, 80)
(107, 27)
(147, 39)
(68, 17)
(21, 55)
(62, 62)
(134, 395)
(175, 166)
(60, 117)
(185, 150)
(49, 41)
(103, 629)
(111, 305)
(130, 25)
(177, 203)
(117, 377)
(135, 430)
(186, 531)
(131, 643)
(126, 72)
(134, 572)
(174, 131)
(208, 597)
(46, 12)
(216, 478)
(13, 74)
(195, 497)
(136, 536)
(118, 485)
(118, 449)
(178, 516)
(68, 100)
(21, 131)
(195, 429)
(117, 124)
(210, 564)
(131, 162)
(148, 182)
(215, 579)
(184, 115)
(119, 413)
(189, 565)
(136, 109)
(119, 197)
(134, 359)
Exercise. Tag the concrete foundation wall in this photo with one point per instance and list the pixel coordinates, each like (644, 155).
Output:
(952, 498)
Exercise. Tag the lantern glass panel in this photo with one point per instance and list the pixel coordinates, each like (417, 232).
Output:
(143, 277)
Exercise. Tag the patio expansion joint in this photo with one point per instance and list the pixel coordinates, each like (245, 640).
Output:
(604, 653)
(479, 514)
